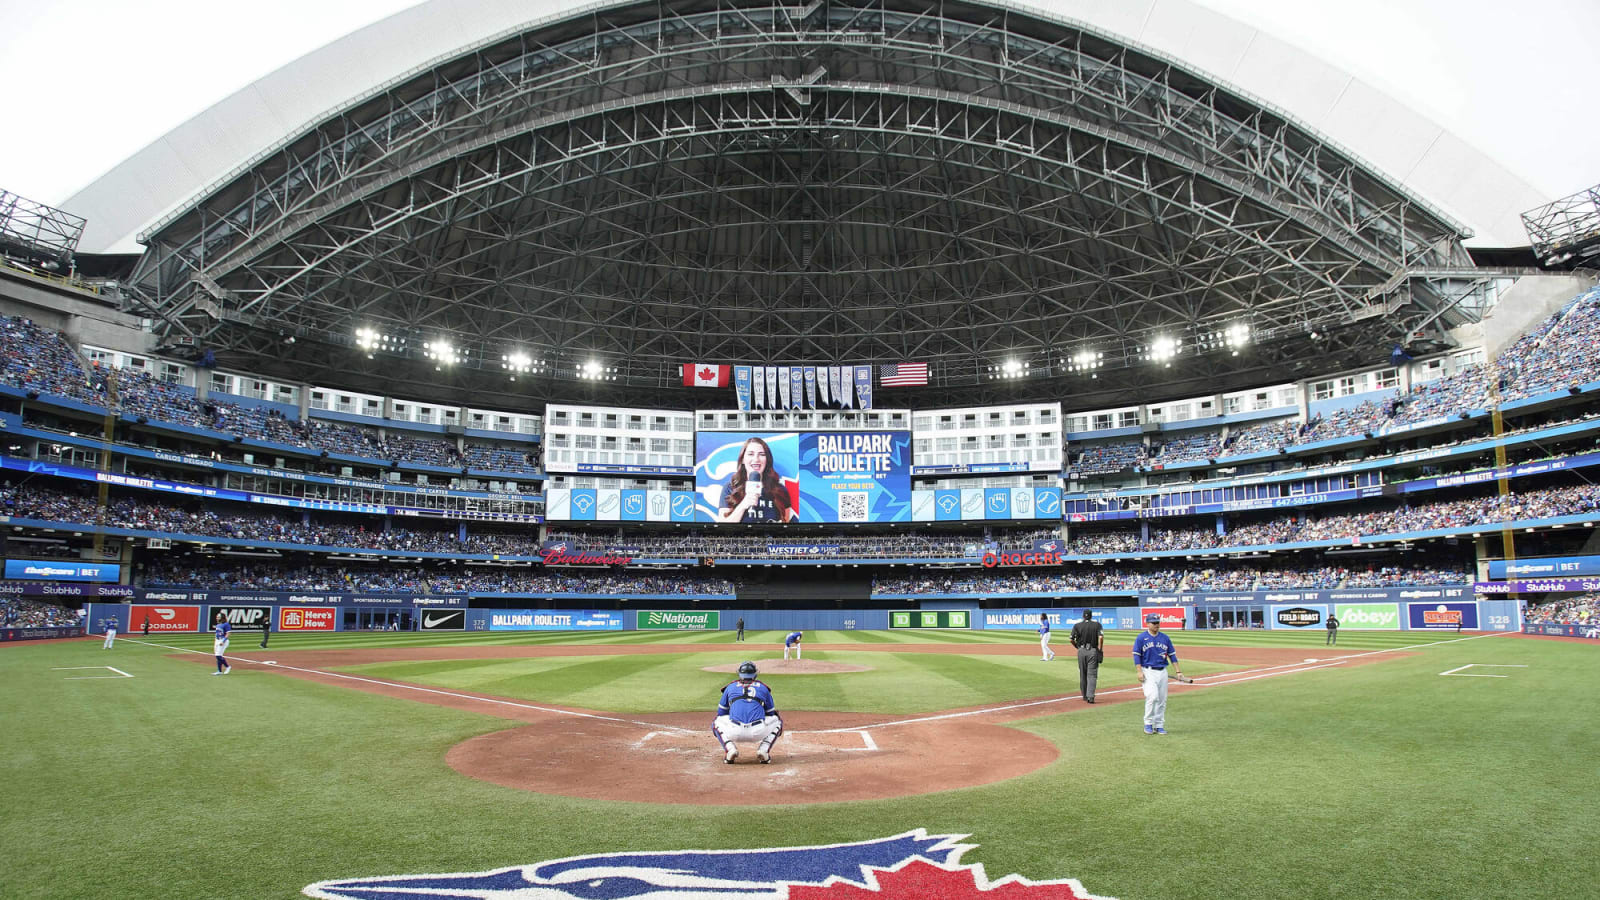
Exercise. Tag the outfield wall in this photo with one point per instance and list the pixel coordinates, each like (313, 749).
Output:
(193, 618)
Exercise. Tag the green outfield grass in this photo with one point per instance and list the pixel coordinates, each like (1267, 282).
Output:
(1372, 781)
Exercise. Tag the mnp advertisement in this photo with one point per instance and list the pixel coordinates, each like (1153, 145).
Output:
(778, 477)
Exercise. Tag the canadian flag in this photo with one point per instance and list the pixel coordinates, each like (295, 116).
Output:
(706, 376)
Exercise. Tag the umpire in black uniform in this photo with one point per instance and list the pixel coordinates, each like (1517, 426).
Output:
(1090, 639)
(266, 628)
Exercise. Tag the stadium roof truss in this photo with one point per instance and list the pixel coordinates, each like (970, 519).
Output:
(726, 181)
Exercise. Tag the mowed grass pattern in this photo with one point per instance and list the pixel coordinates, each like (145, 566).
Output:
(1383, 780)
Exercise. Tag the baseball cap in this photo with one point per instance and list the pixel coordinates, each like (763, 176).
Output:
(1153, 617)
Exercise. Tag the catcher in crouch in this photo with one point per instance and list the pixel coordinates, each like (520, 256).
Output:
(746, 713)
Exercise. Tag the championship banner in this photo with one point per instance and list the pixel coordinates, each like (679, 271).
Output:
(758, 389)
(165, 619)
(834, 386)
(823, 401)
(783, 387)
(810, 374)
(864, 387)
(741, 386)
(772, 387)
(847, 392)
(796, 389)
(676, 620)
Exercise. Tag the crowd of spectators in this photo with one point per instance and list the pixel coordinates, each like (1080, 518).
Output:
(180, 517)
(1110, 458)
(1579, 609)
(1165, 580)
(1263, 437)
(16, 612)
(38, 359)
(1540, 503)
(1559, 353)
(1465, 390)
(1196, 446)
(419, 580)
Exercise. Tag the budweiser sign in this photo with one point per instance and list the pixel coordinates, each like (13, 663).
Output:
(555, 557)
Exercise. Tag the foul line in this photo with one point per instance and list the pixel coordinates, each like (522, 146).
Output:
(1218, 680)
(426, 690)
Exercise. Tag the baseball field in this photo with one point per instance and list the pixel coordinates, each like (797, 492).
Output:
(1395, 765)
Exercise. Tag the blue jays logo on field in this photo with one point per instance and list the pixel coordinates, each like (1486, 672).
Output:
(927, 865)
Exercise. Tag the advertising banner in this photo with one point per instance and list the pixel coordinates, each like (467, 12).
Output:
(62, 570)
(676, 620)
(1544, 567)
(803, 476)
(930, 618)
(164, 619)
(1170, 617)
(242, 617)
(1442, 616)
(1368, 616)
(51, 589)
(1297, 616)
(554, 620)
(445, 620)
(1554, 630)
(38, 633)
(802, 550)
(292, 618)
(1543, 586)
(1060, 619)
(810, 373)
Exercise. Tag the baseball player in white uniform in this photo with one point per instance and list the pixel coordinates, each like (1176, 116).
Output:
(219, 645)
(111, 634)
(1045, 653)
(793, 642)
(746, 713)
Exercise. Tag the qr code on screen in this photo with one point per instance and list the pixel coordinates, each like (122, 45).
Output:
(853, 506)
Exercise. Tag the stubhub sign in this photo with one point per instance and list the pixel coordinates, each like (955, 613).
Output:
(61, 570)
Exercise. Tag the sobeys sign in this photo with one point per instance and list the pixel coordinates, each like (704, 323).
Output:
(1368, 616)
(676, 620)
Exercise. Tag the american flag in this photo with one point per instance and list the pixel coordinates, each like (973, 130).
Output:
(903, 374)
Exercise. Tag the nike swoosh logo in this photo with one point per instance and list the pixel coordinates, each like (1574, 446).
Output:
(430, 621)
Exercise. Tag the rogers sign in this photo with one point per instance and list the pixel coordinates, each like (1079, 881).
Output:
(1030, 558)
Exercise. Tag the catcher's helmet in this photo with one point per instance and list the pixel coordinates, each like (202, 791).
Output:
(747, 671)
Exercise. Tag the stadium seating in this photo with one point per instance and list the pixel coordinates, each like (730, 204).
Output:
(418, 580)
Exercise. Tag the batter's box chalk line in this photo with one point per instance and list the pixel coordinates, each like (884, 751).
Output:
(120, 673)
(1459, 671)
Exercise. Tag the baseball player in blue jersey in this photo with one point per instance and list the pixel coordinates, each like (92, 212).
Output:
(219, 645)
(746, 713)
(111, 634)
(793, 640)
(1045, 653)
(1152, 654)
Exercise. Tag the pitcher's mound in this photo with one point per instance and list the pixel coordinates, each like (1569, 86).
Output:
(791, 667)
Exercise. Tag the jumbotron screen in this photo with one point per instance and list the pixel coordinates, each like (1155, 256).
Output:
(806, 476)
